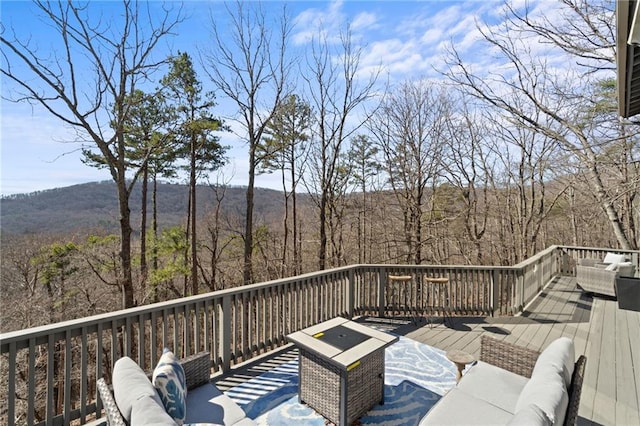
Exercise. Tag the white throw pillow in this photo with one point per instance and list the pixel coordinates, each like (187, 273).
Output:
(611, 267)
(560, 357)
(548, 393)
(170, 382)
(613, 258)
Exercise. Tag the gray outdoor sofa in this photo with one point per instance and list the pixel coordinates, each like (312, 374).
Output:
(599, 276)
(135, 401)
(512, 385)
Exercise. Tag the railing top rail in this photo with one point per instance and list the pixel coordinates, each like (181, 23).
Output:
(618, 250)
(92, 321)
(460, 267)
(44, 330)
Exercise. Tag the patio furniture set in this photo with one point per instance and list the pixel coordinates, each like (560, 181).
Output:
(135, 400)
(512, 385)
(341, 376)
(600, 275)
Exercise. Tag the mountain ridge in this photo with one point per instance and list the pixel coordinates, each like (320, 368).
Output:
(94, 205)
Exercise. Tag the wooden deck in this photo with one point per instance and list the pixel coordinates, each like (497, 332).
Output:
(608, 336)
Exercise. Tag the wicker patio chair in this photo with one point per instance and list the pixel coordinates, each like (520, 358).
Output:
(196, 370)
(520, 360)
(595, 277)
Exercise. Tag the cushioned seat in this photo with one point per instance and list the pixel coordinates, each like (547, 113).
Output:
(136, 401)
(207, 403)
(458, 407)
(513, 385)
(495, 385)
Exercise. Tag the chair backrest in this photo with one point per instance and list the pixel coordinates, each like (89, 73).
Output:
(197, 371)
(575, 390)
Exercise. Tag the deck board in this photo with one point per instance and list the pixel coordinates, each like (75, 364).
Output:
(608, 336)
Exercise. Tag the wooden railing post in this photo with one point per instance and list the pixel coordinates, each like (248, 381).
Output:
(351, 284)
(382, 285)
(494, 293)
(225, 334)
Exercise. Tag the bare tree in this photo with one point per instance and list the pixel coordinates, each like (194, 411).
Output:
(248, 63)
(408, 128)
(336, 91)
(564, 104)
(530, 163)
(468, 166)
(118, 55)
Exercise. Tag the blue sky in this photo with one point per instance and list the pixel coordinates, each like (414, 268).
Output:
(408, 39)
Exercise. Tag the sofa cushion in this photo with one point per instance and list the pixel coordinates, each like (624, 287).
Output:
(130, 384)
(208, 405)
(459, 408)
(149, 411)
(546, 390)
(494, 385)
(613, 258)
(531, 415)
(169, 380)
(560, 357)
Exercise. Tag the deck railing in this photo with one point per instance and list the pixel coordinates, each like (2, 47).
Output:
(49, 372)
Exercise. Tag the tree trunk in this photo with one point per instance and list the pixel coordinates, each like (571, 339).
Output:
(126, 280)
(143, 230)
(192, 210)
(154, 227)
(248, 226)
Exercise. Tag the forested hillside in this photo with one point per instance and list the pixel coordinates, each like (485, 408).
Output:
(479, 163)
(94, 207)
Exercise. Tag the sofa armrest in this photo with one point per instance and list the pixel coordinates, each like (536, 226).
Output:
(514, 358)
(197, 369)
(114, 417)
(575, 390)
(588, 262)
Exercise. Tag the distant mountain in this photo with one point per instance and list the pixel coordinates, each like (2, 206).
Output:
(93, 206)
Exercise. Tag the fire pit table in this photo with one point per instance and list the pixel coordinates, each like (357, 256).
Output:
(341, 372)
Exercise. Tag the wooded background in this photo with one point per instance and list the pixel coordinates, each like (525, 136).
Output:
(475, 167)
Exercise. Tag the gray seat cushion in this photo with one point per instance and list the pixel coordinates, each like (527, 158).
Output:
(147, 411)
(495, 385)
(206, 404)
(459, 408)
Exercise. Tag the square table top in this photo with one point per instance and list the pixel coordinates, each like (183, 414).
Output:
(351, 341)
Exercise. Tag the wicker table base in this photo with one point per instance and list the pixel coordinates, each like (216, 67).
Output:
(341, 396)
(341, 368)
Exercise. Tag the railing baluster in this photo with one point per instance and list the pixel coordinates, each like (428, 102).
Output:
(11, 403)
(99, 337)
(153, 338)
(50, 378)
(141, 338)
(67, 376)
(32, 383)
(84, 380)
(225, 333)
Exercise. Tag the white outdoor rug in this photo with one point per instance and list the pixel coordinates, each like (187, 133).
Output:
(416, 376)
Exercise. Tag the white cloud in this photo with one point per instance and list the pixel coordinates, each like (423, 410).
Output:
(364, 21)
